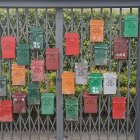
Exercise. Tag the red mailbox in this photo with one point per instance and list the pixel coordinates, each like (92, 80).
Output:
(119, 107)
(19, 103)
(120, 48)
(37, 70)
(52, 59)
(90, 103)
(8, 47)
(72, 43)
(6, 114)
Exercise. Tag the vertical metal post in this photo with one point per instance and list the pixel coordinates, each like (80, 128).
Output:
(137, 136)
(59, 97)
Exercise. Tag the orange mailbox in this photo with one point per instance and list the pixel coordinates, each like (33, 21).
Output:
(96, 30)
(8, 44)
(68, 83)
(119, 107)
(6, 113)
(72, 43)
(18, 74)
(37, 69)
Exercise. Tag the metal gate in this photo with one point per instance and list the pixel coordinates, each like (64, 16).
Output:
(56, 22)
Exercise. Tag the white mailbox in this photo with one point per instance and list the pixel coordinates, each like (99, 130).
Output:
(81, 71)
(109, 83)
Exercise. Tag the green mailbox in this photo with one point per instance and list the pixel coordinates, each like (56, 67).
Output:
(36, 38)
(3, 86)
(23, 54)
(95, 83)
(33, 96)
(71, 109)
(47, 103)
(100, 53)
(131, 26)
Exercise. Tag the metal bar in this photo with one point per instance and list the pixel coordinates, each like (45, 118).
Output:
(137, 136)
(59, 97)
(69, 4)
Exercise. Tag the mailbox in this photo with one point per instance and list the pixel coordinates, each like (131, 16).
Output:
(72, 43)
(90, 103)
(120, 48)
(6, 113)
(71, 109)
(37, 70)
(47, 103)
(8, 44)
(52, 59)
(68, 83)
(119, 107)
(100, 51)
(95, 83)
(96, 30)
(18, 75)
(81, 71)
(23, 54)
(3, 85)
(36, 38)
(109, 83)
(33, 96)
(131, 26)
(19, 103)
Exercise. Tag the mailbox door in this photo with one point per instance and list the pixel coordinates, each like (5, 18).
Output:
(96, 30)
(95, 86)
(110, 83)
(72, 44)
(36, 38)
(18, 75)
(72, 109)
(90, 103)
(23, 54)
(19, 103)
(119, 107)
(120, 48)
(6, 114)
(52, 59)
(8, 47)
(37, 68)
(81, 71)
(47, 104)
(33, 97)
(131, 26)
(100, 56)
(3, 86)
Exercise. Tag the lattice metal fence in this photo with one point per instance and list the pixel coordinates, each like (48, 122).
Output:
(33, 125)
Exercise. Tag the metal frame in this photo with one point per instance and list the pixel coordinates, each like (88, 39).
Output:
(71, 3)
(59, 5)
